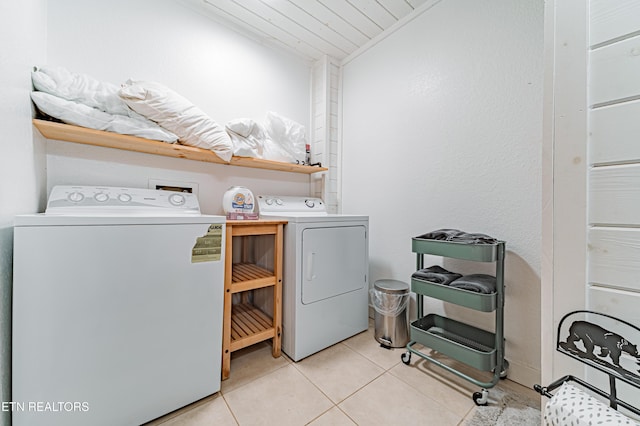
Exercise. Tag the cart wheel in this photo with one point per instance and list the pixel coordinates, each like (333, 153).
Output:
(481, 398)
(505, 370)
(406, 357)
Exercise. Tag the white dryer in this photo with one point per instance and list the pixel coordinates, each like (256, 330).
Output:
(326, 268)
(117, 307)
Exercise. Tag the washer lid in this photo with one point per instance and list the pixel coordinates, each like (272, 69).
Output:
(391, 286)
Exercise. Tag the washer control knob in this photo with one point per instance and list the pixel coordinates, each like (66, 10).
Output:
(75, 197)
(310, 203)
(279, 201)
(177, 199)
(269, 201)
(101, 197)
(124, 198)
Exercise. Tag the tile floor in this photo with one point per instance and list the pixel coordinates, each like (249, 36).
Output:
(355, 382)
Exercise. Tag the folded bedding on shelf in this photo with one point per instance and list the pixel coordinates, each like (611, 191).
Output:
(178, 115)
(278, 138)
(436, 274)
(153, 111)
(455, 235)
(247, 137)
(82, 100)
(479, 283)
(81, 88)
(85, 116)
(287, 135)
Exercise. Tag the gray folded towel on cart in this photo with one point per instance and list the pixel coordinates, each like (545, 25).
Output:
(479, 283)
(436, 274)
(441, 234)
(455, 235)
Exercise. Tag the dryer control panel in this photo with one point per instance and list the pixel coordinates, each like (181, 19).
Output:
(274, 205)
(100, 200)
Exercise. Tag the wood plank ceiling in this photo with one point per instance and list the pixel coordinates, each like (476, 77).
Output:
(314, 28)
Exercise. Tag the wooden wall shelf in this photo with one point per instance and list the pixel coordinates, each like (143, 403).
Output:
(83, 135)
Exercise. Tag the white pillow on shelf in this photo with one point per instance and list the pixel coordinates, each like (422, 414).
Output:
(176, 114)
(287, 136)
(247, 137)
(78, 114)
(81, 88)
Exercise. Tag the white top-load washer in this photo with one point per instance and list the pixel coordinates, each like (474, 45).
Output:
(117, 307)
(326, 267)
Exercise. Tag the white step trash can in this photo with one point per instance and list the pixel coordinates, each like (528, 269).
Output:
(390, 299)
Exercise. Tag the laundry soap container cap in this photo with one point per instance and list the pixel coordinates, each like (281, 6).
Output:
(238, 203)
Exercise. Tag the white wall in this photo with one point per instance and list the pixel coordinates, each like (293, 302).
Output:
(442, 128)
(22, 182)
(221, 71)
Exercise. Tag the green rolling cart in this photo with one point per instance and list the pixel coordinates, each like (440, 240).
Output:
(470, 345)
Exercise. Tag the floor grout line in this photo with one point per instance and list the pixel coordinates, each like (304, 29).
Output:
(358, 346)
(226, 403)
